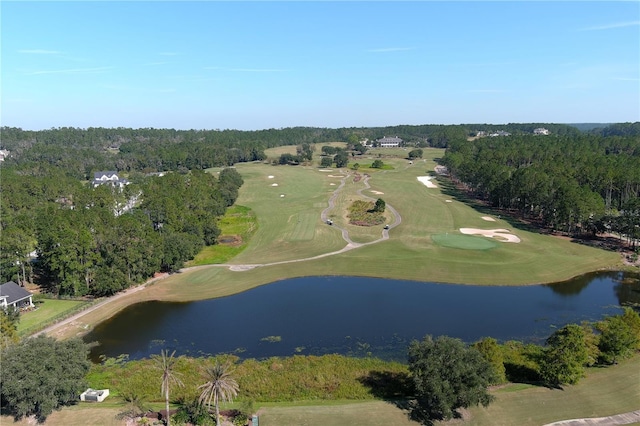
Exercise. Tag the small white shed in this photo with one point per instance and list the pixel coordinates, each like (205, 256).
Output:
(92, 395)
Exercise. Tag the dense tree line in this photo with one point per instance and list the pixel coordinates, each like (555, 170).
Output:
(82, 151)
(580, 183)
(101, 240)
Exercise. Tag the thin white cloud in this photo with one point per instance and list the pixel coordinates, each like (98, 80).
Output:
(124, 88)
(40, 52)
(246, 69)
(611, 26)
(390, 49)
(96, 70)
(485, 91)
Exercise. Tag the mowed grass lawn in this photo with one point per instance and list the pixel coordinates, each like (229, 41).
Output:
(48, 310)
(603, 392)
(287, 230)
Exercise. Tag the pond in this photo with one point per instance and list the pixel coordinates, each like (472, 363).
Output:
(357, 316)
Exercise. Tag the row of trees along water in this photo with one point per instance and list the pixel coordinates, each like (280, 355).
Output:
(578, 184)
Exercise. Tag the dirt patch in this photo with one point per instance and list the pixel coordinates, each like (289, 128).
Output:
(230, 240)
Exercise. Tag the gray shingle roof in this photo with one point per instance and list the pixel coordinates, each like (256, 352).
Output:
(13, 292)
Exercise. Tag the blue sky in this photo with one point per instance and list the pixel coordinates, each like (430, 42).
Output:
(258, 65)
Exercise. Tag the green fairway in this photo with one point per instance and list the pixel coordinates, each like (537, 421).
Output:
(290, 229)
(464, 242)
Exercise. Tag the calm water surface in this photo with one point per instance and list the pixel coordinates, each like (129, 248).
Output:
(357, 316)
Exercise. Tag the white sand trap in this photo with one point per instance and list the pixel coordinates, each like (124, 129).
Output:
(274, 184)
(332, 184)
(488, 218)
(448, 201)
(503, 235)
(426, 180)
(325, 170)
(281, 195)
(338, 176)
(377, 192)
(270, 177)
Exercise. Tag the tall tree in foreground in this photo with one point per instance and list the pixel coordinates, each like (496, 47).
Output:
(447, 375)
(166, 364)
(41, 374)
(220, 385)
(565, 356)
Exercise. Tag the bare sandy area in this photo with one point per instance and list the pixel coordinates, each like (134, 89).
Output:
(503, 235)
(377, 192)
(270, 177)
(426, 180)
(448, 201)
(488, 218)
(325, 170)
(274, 184)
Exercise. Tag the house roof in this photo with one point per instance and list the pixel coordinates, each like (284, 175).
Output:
(98, 175)
(13, 292)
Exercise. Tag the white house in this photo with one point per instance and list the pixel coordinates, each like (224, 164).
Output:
(3, 154)
(11, 294)
(108, 178)
(540, 131)
(389, 142)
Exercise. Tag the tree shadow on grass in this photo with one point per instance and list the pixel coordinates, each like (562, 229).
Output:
(483, 207)
(396, 389)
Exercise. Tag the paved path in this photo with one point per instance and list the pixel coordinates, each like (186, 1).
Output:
(345, 234)
(98, 305)
(618, 419)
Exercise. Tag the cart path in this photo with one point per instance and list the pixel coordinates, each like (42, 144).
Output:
(75, 317)
(324, 216)
(618, 419)
(345, 235)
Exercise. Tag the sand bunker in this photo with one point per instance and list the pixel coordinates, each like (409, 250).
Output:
(488, 218)
(426, 180)
(325, 170)
(377, 192)
(339, 176)
(503, 235)
(274, 184)
(281, 195)
(270, 177)
(448, 201)
(332, 184)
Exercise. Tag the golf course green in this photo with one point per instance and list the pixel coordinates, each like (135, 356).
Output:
(292, 240)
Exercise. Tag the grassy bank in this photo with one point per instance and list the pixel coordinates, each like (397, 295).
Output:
(296, 390)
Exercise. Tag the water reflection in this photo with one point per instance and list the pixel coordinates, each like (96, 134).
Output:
(357, 316)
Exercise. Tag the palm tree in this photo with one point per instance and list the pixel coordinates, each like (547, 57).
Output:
(166, 364)
(220, 385)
